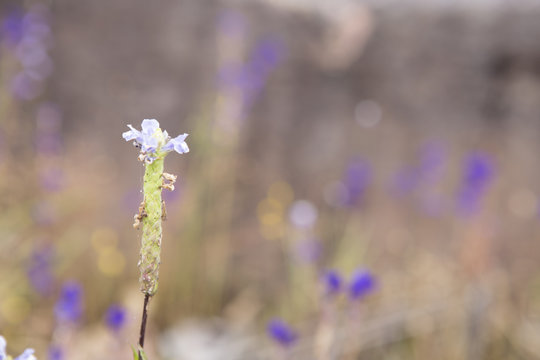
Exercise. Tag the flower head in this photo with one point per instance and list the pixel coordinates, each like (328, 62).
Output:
(332, 281)
(478, 174)
(281, 332)
(154, 142)
(357, 179)
(69, 306)
(40, 272)
(55, 353)
(362, 283)
(115, 318)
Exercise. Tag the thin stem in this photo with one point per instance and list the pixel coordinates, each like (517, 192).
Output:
(143, 322)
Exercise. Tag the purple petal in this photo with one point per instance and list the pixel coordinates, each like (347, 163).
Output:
(132, 134)
(149, 126)
(178, 144)
(281, 332)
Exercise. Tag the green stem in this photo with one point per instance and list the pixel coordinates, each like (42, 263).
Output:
(151, 237)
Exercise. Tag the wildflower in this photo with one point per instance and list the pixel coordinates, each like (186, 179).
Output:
(39, 271)
(281, 332)
(362, 283)
(153, 142)
(332, 281)
(115, 318)
(27, 354)
(55, 353)
(357, 179)
(69, 306)
(478, 173)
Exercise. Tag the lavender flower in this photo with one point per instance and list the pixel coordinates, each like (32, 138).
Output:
(55, 353)
(357, 178)
(154, 142)
(362, 283)
(39, 272)
(68, 309)
(27, 354)
(12, 27)
(333, 283)
(281, 332)
(478, 174)
(115, 318)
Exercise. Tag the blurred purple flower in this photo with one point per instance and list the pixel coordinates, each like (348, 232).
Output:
(24, 87)
(40, 272)
(31, 52)
(357, 178)
(281, 332)
(251, 77)
(55, 353)
(115, 318)
(332, 282)
(68, 309)
(477, 176)
(12, 27)
(267, 55)
(362, 283)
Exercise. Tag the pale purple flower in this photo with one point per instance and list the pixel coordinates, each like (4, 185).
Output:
(68, 309)
(115, 318)
(178, 144)
(55, 353)
(151, 140)
(145, 138)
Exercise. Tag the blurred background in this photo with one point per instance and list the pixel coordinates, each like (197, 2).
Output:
(363, 177)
